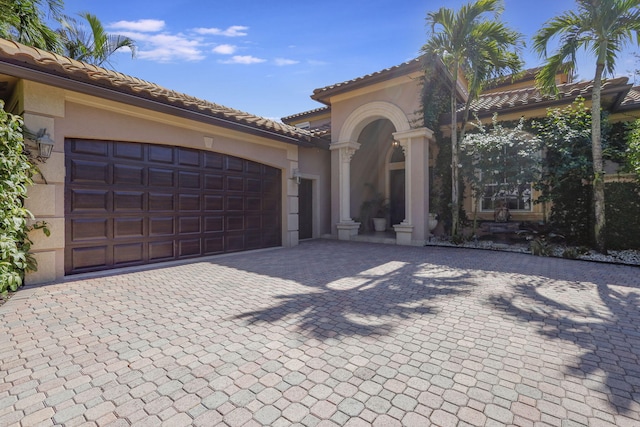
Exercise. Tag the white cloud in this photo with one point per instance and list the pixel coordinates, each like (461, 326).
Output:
(167, 47)
(281, 62)
(243, 59)
(142, 25)
(224, 49)
(232, 31)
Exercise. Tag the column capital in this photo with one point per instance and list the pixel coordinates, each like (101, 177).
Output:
(423, 132)
(347, 149)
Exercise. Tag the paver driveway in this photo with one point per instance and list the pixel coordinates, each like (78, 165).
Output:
(329, 333)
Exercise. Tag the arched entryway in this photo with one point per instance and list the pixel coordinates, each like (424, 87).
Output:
(362, 156)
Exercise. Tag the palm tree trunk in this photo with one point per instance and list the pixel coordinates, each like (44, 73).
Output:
(598, 169)
(455, 210)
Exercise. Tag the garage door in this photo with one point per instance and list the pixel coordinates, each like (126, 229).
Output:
(130, 204)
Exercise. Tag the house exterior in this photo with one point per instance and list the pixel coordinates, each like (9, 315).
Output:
(141, 174)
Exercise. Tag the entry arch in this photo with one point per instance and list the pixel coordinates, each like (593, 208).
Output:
(367, 113)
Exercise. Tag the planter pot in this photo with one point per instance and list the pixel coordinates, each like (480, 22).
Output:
(433, 222)
(380, 224)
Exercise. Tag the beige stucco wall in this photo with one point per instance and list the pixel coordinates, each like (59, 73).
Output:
(315, 164)
(67, 114)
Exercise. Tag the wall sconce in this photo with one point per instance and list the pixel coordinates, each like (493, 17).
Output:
(395, 143)
(43, 141)
(295, 176)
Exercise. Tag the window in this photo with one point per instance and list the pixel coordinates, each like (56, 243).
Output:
(516, 197)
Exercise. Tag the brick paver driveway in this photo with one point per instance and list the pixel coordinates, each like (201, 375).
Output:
(329, 333)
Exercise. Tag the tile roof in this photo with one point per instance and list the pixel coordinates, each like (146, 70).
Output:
(632, 99)
(61, 66)
(404, 68)
(530, 96)
(293, 117)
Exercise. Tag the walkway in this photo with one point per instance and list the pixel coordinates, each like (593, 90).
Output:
(329, 333)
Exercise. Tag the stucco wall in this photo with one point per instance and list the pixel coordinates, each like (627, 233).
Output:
(315, 164)
(67, 114)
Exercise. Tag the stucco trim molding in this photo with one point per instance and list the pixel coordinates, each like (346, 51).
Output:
(367, 113)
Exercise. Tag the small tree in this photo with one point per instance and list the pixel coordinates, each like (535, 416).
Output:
(505, 158)
(16, 173)
(568, 169)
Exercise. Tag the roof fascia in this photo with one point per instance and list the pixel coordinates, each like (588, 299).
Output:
(23, 71)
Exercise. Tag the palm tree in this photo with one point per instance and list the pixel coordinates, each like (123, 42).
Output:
(480, 48)
(24, 22)
(603, 27)
(95, 45)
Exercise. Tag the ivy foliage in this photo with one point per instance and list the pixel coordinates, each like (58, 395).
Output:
(16, 173)
(632, 153)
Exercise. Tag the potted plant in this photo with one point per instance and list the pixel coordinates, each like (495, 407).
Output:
(376, 208)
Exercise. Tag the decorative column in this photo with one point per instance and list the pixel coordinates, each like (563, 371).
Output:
(346, 226)
(414, 230)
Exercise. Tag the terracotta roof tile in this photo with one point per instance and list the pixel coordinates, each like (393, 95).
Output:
(405, 67)
(632, 99)
(52, 63)
(496, 101)
(292, 117)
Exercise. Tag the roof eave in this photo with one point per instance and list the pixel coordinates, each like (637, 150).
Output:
(25, 70)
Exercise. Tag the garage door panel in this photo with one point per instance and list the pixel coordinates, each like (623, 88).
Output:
(213, 224)
(89, 229)
(161, 226)
(213, 203)
(89, 200)
(128, 227)
(235, 183)
(235, 203)
(128, 150)
(235, 223)
(89, 257)
(127, 201)
(234, 164)
(159, 202)
(189, 248)
(84, 171)
(187, 157)
(161, 250)
(92, 148)
(160, 177)
(189, 179)
(189, 202)
(213, 182)
(161, 154)
(189, 225)
(131, 204)
(213, 161)
(234, 242)
(128, 175)
(214, 245)
(128, 253)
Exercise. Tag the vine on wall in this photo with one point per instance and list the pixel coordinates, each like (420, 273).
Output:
(16, 173)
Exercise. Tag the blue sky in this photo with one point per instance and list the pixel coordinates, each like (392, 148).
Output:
(267, 57)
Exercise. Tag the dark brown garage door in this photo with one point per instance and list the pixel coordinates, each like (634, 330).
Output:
(130, 204)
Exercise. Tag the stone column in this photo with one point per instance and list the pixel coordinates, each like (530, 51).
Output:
(414, 230)
(341, 163)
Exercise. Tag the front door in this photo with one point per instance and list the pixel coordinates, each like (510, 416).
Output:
(396, 187)
(305, 209)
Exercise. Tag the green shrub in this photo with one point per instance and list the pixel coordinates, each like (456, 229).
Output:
(16, 172)
(622, 202)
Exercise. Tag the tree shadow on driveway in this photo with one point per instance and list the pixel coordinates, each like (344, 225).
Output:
(361, 295)
(603, 320)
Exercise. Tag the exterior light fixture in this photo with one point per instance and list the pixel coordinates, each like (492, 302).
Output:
(44, 143)
(295, 176)
(395, 143)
